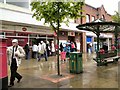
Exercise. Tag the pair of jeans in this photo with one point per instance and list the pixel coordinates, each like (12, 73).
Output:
(27, 55)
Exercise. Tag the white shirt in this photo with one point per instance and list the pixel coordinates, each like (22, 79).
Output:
(35, 48)
(43, 47)
(39, 48)
(53, 47)
(78, 46)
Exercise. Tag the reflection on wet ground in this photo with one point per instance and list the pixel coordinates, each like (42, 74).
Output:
(43, 74)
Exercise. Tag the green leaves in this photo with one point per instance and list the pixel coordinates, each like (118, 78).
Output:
(116, 17)
(49, 11)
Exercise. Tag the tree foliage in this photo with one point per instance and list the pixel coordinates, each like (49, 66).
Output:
(116, 17)
(49, 11)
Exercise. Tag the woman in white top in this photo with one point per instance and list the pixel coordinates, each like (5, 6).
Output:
(52, 48)
(35, 50)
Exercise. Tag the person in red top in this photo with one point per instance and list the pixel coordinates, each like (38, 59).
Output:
(102, 51)
(72, 47)
(113, 48)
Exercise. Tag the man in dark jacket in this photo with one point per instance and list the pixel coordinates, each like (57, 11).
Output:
(27, 50)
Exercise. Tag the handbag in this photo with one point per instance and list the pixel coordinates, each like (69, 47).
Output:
(41, 52)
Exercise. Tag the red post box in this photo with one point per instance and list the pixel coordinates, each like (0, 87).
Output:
(3, 63)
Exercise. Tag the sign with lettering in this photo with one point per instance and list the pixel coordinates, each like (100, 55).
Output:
(71, 33)
(24, 28)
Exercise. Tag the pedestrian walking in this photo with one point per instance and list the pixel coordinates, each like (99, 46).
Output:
(72, 47)
(43, 50)
(48, 48)
(61, 47)
(63, 55)
(67, 50)
(78, 45)
(113, 47)
(53, 48)
(35, 50)
(27, 51)
(15, 54)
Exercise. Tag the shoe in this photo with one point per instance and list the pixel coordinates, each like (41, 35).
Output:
(38, 60)
(19, 79)
(11, 85)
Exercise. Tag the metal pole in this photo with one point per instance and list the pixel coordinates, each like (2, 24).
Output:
(116, 35)
(116, 38)
(58, 66)
(98, 39)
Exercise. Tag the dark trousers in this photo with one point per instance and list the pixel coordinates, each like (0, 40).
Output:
(35, 55)
(14, 73)
(44, 55)
(27, 55)
(72, 49)
(48, 53)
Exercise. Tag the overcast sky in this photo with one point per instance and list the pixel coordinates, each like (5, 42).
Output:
(109, 5)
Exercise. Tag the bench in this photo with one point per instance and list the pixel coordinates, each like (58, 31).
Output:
(109, 57)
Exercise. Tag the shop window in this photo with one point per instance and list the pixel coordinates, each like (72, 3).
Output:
(63, 33)
(2, 34)
(22, 34)
(87, 18)
(10, 34)
(103, 17)
(93, 18)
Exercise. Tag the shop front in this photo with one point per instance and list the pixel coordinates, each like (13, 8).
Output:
(72, 36)
(89, 44)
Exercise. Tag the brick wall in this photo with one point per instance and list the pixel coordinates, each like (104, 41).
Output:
(91, 11)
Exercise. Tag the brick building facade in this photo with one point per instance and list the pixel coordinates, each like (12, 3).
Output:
(91, 13)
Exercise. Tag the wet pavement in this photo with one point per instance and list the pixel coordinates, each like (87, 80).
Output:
(43, 74)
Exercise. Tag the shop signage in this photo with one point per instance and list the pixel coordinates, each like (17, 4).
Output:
(24, 28)
(71, 33)
(21, 40)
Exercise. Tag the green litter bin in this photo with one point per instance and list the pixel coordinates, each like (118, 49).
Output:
(75, 63)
